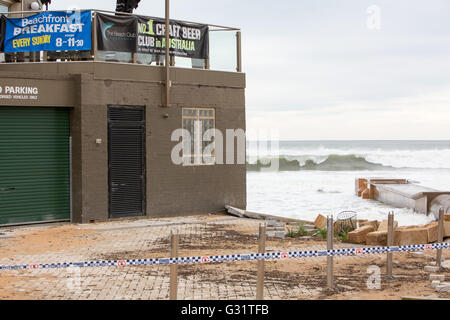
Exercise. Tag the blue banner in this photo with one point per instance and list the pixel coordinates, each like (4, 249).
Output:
(49, 31)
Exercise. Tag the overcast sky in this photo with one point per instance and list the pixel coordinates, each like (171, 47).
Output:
(334, 69)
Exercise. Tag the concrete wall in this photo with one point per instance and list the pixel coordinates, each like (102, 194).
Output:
(171, 190)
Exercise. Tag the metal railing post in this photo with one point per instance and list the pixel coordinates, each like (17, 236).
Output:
(167, 62)
(207, 61)
(390, 243)
(440, 238)
(94, 37)
(239, 51)
(260, 274)
(174, 268)
(330, 236)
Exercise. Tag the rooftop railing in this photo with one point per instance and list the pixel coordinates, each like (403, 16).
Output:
(224, 48)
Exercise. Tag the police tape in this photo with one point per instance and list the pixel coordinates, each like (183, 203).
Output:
(232, 258)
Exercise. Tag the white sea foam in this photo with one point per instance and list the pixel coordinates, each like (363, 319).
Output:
(405, 158)
(304, 194)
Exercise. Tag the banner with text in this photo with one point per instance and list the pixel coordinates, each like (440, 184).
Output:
(186, 40)
(116, 33)
(147, 35)
(49, 31)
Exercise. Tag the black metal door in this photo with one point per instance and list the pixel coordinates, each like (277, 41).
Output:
(126, 126)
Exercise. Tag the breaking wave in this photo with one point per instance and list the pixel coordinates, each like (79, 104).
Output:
(330, 163)
(295, 158)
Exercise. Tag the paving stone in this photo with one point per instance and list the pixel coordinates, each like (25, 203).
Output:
(443, 287)
(431, 269)
(440, 277)
(435, 283)
(418, 255)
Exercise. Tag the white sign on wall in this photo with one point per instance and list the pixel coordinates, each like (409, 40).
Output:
(18, 93)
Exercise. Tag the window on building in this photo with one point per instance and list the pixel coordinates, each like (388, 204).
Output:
(199, 146)
(3, 9)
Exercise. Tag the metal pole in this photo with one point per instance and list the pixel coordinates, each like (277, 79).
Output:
(95, 43)
(207, 61)
(440, 238)
(239, 51)
(260, 275)
(390, 243)
(174, 268)
(168, 83)
(330, 235)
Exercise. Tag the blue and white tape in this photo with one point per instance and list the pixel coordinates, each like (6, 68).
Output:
(230, 258)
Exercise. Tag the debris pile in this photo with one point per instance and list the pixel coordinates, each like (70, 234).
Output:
(368, 233)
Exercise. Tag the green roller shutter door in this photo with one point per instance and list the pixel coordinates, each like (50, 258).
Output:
(34, 165)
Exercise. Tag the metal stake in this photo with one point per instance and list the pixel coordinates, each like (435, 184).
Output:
(174, 268)
(390, 243)
(260, 275)
(440, 238)
(330, 235)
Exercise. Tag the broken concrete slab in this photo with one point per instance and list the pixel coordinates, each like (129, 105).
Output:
(432, 231)
(405, 236)
(435, 283)
(446, 229)
(235, 211)
(276, 228)
(431, 269)
(375, 224)
(279, 235)
(271, 223)
(358, 236)
(320, 222)
(443, 287)
(418, 255)
(439, 277)
(384, 225)
(377, 238)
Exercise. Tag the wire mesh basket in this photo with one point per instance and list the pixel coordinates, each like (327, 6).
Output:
(346, 222)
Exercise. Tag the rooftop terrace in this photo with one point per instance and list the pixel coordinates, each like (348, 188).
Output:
(220, 45)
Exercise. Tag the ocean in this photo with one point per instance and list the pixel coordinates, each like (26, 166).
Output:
(319, 176)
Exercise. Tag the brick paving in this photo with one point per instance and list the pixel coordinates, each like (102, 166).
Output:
(148, 239)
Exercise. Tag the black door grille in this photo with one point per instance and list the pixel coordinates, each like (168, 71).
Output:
(126, 161)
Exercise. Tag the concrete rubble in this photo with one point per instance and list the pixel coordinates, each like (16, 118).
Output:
(409, 235)
(443, 287)
(438, 277)
(320, 222)
(418, 255)
(431, 269)
(359, 235)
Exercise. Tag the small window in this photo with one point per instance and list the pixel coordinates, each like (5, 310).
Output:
(198, 122)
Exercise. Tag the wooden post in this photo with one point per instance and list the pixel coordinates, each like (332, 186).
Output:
(260, 274)
(330, 235)
(174, 268)
(440, 238)
(390, 243)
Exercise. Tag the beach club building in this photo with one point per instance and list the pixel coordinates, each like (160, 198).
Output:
(88, 108)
